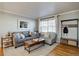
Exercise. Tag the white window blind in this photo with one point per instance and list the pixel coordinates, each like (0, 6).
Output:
(47, 25)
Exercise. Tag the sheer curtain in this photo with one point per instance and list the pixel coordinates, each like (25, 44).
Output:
(47, 25)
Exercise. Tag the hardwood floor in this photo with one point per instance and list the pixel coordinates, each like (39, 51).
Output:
(1, 52)
(64, 50)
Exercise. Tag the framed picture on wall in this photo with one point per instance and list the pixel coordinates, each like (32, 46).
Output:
(22, 24)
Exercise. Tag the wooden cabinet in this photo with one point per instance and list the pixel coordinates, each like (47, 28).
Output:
(6, 41)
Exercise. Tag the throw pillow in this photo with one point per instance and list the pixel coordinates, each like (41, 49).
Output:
(22, 36)
(17, 35)
(33, 34)
(26, 33)
(37, 35)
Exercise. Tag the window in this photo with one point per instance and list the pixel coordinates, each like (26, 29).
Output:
(47, 25)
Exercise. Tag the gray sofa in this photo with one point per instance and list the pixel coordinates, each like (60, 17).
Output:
(50, 37)
(18, 39)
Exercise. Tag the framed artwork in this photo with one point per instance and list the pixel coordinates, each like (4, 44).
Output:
(22, 24)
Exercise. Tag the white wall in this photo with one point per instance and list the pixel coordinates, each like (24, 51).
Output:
(73, 15)
(8, 23)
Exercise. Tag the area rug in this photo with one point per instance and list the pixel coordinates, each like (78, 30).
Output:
(42, 51)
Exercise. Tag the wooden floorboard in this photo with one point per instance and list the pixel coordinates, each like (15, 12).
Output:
(1, 52)
(64, 50)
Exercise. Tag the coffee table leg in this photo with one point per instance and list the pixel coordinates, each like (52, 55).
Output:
(44, 43)
(29, 50)
(24, 48)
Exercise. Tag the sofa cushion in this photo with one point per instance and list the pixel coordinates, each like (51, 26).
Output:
(28, 38)
(36, 35)
(20, 41)
(26, 33)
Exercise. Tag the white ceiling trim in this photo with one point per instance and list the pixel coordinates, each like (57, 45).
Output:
(68, 12)
(13, 13)
(61, 13)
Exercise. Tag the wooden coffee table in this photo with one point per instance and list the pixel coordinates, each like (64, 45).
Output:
(31, 43)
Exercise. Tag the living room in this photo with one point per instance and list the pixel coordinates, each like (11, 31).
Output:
(44, 21)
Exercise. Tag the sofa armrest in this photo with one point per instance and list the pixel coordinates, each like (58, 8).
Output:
(51, 39)
(14, 41)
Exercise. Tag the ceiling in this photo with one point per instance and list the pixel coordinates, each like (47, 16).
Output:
(38, 9)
